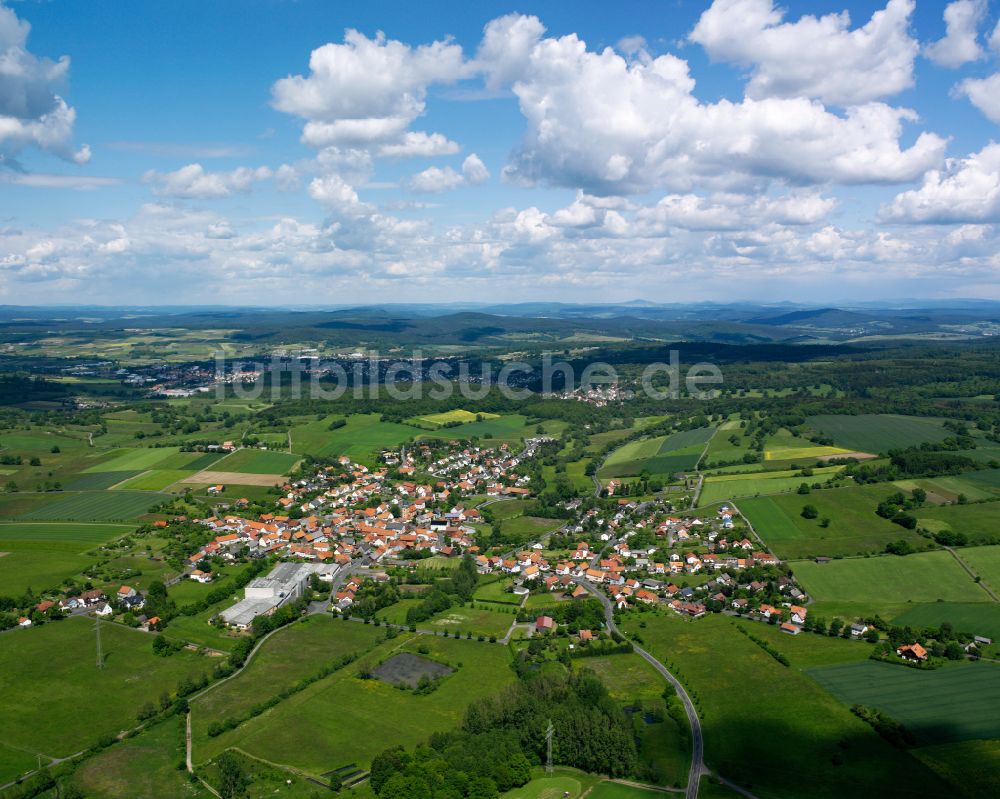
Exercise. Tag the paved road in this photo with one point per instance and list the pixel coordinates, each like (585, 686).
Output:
(697, 741)
(750, 527)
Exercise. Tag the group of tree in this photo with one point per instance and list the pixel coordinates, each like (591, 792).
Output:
(502, 737)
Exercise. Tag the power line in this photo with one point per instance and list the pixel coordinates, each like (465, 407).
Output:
(548, 743)
(100, 654)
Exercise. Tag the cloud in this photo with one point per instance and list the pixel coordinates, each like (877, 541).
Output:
(818, 57)
(474, 170)
(733, 211)
(182, 150)
(592, 245)
(32, 111)
(967, 190)
(995, 39)
(367, 92)
(193, 182)
(507, 45)
(339, 196)
(44, 181)
(959, 45)
(598, 122)
(435, 180)
(419, 144)
(984, 94)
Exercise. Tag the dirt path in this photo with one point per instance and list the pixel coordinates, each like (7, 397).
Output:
(976, 578)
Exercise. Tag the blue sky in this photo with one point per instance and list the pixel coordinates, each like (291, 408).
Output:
(248, 152)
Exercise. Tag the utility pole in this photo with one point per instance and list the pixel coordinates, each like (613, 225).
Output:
(100, 654)
(548, 744)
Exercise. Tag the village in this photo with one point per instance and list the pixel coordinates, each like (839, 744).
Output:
(341, 527)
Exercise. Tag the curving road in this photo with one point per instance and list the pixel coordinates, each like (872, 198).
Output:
(697, 740)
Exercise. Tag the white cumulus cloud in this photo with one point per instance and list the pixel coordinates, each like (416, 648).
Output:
(959, 44)
(820, 57)
(32, 111)
(984, 94)
(967, 190)
(435, 180)
(598, 122)
(194, 182)
(366, 92)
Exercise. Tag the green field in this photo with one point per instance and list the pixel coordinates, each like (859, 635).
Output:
(450, 417)
(804, 453)
(143, 767)
(753, 707)
(506, 508)
(854, 526)
(972, 766)
(878, 433)
(197, 630)
(98, 481)
(616, 790)
(344, 701)
(26, 565)
(96, 506)
(628, 677)
(155, 479)
(494, 592)
(396, 612)
(83, 535)
(57, 701)
(189, 461)
(525, 528)
(980, 522)
(127, 460)
(478, 621)
(361, 439)
(554, 787)
(924, 577)
(722, 487)
(985, 561)
(950, 704)
(186, 592)
(256, 461)
(39, 442)
(660, 455)
(297, 651)
(941, 490)
(977, 618)
(720, 448)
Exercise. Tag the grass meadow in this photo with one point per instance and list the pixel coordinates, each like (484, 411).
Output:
(344, 702)
(868, 432)
(753, 707)
(923, 577)
(130, 459)
(59, 704)
(257, 461)
(854, 527)
(722, 487)
(985, 561)
(361, 439)
(143, 767)
(292, 653)
(107, 506)
(956, 703)
(977, 618)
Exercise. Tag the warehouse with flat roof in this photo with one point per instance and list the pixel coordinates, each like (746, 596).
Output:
(285, 583)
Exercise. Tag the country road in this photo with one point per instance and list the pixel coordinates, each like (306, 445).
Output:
(697, 740)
